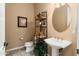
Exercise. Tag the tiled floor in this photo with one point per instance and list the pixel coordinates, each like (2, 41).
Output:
(20, 52)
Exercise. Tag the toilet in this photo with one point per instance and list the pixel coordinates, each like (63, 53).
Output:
(29, 48)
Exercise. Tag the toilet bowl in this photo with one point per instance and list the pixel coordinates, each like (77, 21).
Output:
(29, 47)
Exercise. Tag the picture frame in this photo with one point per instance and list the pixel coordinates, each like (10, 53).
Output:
(22, 21)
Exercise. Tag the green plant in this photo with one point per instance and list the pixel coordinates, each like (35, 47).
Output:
(40, 48)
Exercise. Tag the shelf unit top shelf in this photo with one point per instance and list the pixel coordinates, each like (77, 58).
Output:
(41, 19)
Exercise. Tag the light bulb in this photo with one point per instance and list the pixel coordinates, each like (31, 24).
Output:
(62, 3)
(40, 23)
(57, 5)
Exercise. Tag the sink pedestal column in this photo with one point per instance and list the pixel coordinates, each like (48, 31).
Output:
(55, 51)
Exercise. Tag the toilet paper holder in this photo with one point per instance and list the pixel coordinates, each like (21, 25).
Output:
(21, 38)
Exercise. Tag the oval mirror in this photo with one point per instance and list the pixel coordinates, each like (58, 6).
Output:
(61, 18)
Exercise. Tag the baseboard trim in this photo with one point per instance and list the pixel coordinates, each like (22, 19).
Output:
(12, 49)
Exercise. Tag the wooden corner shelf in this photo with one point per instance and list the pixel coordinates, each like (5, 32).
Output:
(41, 23)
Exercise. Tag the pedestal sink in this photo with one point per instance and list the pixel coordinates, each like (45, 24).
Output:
(56, 44)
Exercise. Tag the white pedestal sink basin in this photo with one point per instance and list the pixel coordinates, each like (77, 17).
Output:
(56, 44)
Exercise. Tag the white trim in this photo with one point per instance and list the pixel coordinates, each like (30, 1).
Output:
(2, 29)
(14, 48)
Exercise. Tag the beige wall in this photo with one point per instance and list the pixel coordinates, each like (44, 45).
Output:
(13, 33)
(68, 34)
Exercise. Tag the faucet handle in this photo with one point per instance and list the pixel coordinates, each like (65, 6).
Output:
(61, 38)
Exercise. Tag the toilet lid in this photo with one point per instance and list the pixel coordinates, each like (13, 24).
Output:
(29, 43)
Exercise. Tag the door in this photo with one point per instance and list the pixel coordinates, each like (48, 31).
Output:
(2, 29)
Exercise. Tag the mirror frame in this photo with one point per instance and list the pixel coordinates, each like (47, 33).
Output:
(69, 20)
